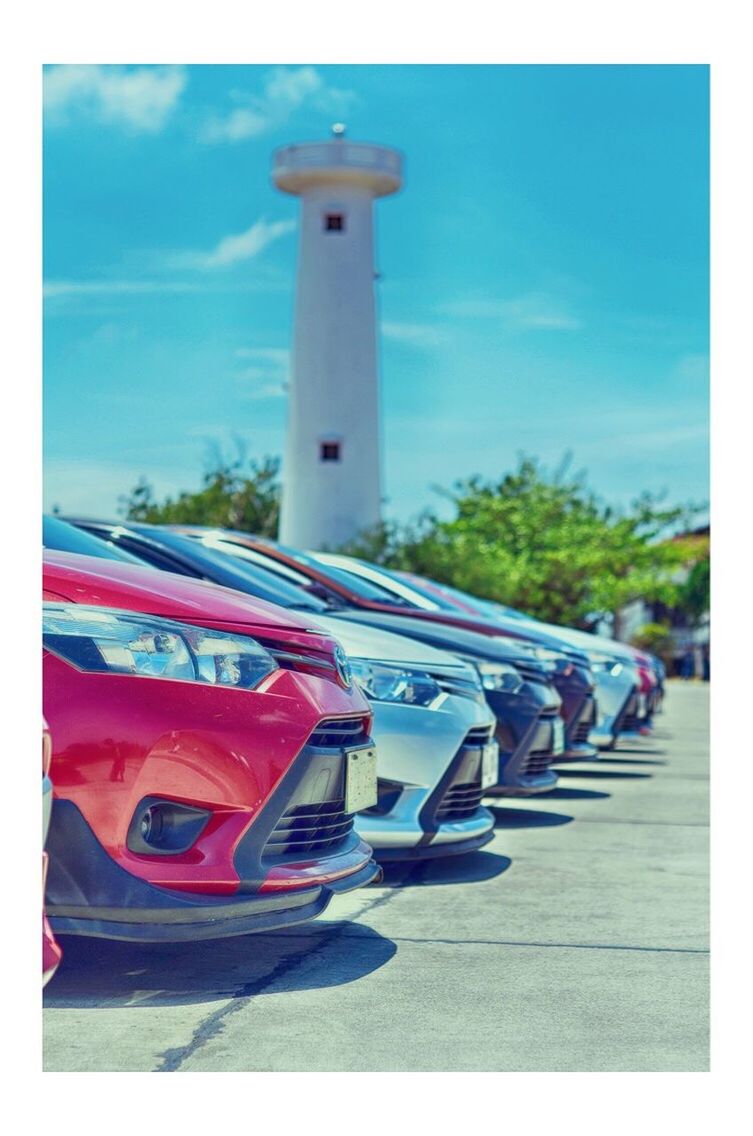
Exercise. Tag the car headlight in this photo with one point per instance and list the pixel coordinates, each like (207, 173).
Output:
(99, 639)
(500, 676)
(550, 658)
(605, 663)
(383, 683)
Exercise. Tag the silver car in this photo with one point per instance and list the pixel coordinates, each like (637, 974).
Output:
(436, 751)
(618, 699)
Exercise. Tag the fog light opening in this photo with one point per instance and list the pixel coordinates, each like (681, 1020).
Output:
(164, 828)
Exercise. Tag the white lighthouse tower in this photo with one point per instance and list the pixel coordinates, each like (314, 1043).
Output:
(331, 486)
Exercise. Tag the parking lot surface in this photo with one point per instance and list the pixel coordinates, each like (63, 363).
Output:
(577, 940)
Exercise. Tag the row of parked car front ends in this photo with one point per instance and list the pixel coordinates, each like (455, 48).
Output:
(237, 731)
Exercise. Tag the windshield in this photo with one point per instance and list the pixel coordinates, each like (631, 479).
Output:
(416, 585)
(260, 559)
(398, 590)
(364, 589)
(232, 572)
(59, 536)
(489, 607)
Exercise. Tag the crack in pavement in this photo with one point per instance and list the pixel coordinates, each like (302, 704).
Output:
(214, 1023)
(649, 823)
(573, 946)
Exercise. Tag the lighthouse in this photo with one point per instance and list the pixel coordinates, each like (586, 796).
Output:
(331, 476)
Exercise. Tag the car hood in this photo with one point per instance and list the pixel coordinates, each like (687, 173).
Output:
(445, 637)
(587, 642)
(109, 583)
(364, 642)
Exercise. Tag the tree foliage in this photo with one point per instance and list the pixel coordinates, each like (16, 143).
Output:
(545, 544)
(658, 639)
(238, 494)
(695, 594)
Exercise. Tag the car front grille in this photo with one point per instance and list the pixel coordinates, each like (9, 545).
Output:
(540, 755)
(317, 827)
(336, 732)
(584, 725)
(582, 732)
(315, 820)
(462, 797)
(629, 721)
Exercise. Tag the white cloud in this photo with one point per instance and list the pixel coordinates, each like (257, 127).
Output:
(285, 90)
(276, 355)
(267, 376)
(55, 288)
(264, 391)
(236, 247)
(532, 311)
(140, 98)
(414, 334)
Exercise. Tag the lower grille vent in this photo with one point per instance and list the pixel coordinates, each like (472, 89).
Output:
(339, 732)
(460, 801)
(630, 720)
(585, 724)
(313, 828)
(463, 797)
(540, 755)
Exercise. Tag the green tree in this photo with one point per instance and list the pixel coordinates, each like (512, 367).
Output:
(695, 593)
(658, 639)
(545, 544)
(239, 494)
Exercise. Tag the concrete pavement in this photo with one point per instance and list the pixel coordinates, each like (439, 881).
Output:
(577, 940)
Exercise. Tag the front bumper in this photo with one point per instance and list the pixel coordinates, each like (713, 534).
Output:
(51, 952)
(104, 900)
(429, 779)
(615, 695)
(435, 851)
(525, 732)
(579, 712)
(578, 746)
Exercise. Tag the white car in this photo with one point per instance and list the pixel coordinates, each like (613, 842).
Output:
(618, 697)
(436, 752)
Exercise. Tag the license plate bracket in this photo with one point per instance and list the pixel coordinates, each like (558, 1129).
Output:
(360, 779)
(558, 736)
(489, 764)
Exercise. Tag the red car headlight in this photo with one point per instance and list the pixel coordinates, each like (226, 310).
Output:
(99, 639)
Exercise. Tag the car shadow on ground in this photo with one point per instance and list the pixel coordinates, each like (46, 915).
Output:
(471, 867)
(605, 774)
(633, 751)
(507, 817)
(563, 793)
(98, 973)
(642, 760)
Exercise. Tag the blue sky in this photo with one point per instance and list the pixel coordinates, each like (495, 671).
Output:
(544, 271)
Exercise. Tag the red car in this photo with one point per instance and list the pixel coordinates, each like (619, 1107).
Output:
(209, 752)
(51, 953)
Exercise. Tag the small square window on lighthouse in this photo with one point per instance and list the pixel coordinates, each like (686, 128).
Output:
(329, 452)
(334, 222)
